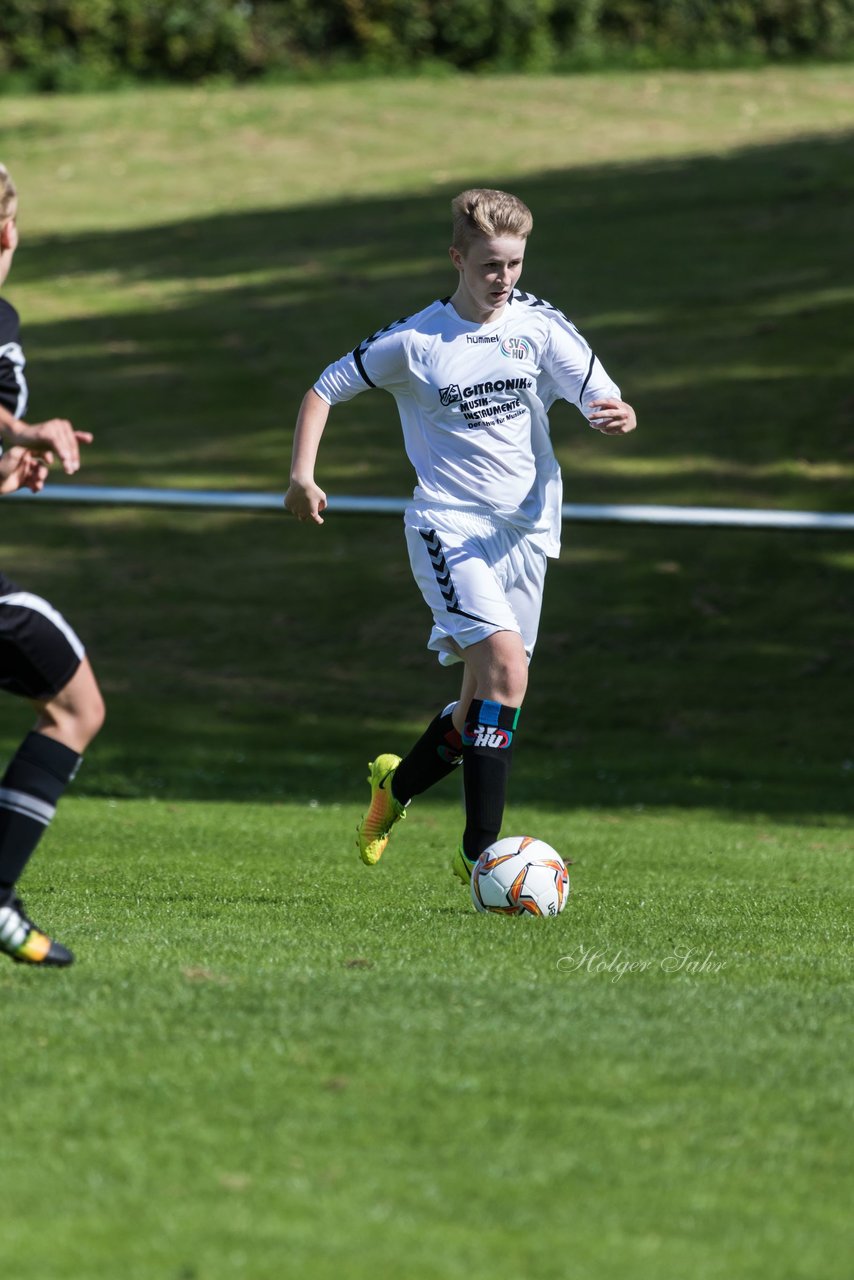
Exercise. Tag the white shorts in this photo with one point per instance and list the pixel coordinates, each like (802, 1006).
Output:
(477, 574)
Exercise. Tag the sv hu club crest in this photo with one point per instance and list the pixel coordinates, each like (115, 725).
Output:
(517, 348)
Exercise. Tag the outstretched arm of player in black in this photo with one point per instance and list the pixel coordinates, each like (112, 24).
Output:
(304, 498)
(56, 437)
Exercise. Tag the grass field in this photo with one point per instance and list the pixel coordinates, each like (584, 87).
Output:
(269, 1061)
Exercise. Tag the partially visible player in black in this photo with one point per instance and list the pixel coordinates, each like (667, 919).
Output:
(41, 658)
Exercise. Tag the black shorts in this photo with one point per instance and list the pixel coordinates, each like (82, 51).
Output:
(39, 652)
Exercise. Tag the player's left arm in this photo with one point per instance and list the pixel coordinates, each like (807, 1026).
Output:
(582, 380)
(612, 416)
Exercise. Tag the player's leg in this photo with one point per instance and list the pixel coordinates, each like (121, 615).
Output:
(438, 752)
(42, 659)
(497, 677)
(467, 603)
(395, 782)
(466, 567)
(497, 672)
(467, 692)
(76, 713)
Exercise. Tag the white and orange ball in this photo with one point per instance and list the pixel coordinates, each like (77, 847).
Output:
(520, 875)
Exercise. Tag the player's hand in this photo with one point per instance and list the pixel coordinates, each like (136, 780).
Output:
(21, 469)
(615, 417)
(56, 437)
(305, 501)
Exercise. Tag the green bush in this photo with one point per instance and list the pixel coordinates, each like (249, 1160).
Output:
(63, 44)
(769, 28)
(67, 44)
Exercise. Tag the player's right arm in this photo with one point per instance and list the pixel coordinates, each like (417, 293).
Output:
(304, 498)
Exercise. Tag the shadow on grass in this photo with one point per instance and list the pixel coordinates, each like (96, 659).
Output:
(248, 657)
(714, 289)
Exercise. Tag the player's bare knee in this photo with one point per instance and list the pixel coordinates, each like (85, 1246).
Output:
(508, 681)
(91, 715)
(73, 716)
(514, 686)
(511, 671)
(82, 704)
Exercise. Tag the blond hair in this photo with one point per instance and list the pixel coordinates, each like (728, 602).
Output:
(484, 212)
(8, 196)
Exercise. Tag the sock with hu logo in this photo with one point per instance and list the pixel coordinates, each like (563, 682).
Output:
(487, 749)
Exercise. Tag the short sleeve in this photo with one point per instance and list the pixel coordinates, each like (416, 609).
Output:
(379, 361)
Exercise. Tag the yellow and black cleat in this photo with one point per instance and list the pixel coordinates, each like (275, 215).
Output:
(25, 943)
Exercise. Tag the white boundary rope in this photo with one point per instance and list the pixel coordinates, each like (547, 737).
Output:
(218, 499)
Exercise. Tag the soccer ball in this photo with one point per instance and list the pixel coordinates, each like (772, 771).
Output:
(520, 875)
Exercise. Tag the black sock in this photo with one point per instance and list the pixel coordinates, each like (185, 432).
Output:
(487, 749)
(30, 790)
(436, 754)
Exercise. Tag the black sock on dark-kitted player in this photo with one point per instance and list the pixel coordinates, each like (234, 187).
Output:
(30, 790)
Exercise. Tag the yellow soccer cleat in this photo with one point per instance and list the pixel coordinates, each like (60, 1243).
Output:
(373, 831)
(462, 866)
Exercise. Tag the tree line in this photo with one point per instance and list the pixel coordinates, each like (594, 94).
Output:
(71, 44)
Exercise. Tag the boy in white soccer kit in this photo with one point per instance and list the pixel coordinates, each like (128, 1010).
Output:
(474, 376)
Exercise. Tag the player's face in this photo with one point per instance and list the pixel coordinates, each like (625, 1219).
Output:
(8, 244)
(489, 270)
(9, 228)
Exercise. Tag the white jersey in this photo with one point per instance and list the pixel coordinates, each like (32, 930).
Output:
(473, 401)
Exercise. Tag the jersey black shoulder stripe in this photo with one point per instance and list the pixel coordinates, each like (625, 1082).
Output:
(357, 356)
(532, 301)
(363, 346)
(359, 351)
(587, 379)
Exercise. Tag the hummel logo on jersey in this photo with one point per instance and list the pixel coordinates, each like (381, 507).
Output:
(450, 395)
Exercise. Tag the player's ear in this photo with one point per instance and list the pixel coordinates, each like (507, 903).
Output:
(456, 257)
(9, 235)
